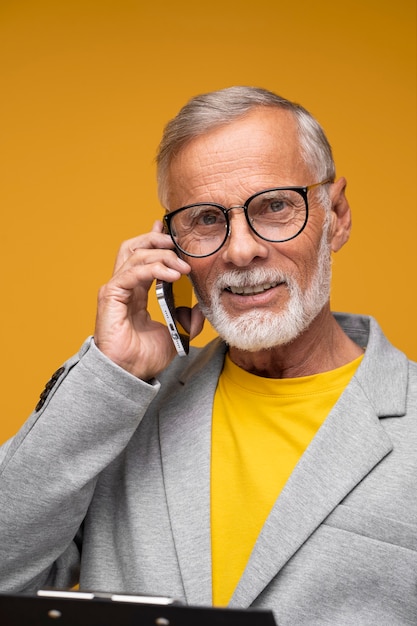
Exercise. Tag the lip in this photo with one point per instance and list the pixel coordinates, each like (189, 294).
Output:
(252, 290)
(262, 298)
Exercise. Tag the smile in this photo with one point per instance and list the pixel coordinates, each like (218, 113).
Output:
(251, 290)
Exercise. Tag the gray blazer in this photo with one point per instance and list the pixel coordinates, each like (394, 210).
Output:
(112, 475)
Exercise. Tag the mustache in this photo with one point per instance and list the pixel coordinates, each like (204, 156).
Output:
(251, 277)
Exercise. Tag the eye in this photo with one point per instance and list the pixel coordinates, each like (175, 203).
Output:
(270, 204)
(207, 218)
(204, 216)
(275, 206)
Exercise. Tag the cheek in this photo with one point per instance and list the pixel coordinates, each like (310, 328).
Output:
(202, 275)
(300, 258)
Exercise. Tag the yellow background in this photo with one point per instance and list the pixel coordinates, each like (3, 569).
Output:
(86, 87)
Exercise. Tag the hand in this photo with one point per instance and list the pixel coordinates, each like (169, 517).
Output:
(124, 331)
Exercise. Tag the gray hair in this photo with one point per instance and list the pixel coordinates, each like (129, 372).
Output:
(212, 110)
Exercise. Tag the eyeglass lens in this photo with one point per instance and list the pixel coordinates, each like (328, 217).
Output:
(275, 215)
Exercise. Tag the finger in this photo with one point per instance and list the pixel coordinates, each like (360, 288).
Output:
(197, 321)
(183, 315)
(139, 277)
(158, 227)
(153, 240)
(192, 320)
(159, 259)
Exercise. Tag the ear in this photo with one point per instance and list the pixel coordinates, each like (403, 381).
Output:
(341, 222)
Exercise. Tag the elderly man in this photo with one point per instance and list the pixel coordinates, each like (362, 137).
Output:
(274, 468)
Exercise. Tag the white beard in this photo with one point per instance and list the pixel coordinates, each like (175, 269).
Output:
(260, 329)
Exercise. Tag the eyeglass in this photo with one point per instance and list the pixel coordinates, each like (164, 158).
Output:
(277, 215)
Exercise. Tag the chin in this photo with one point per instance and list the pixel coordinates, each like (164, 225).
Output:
(259, 331)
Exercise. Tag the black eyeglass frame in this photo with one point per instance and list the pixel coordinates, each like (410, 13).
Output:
(303, 191)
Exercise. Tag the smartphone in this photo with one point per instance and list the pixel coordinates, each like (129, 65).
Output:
(171, 297)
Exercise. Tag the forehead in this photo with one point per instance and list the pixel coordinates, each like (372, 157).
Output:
(230, 163)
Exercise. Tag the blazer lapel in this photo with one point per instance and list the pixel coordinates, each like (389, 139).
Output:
(185, 437)
(347, 446)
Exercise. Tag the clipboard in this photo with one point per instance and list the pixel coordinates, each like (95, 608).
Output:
(74, 608)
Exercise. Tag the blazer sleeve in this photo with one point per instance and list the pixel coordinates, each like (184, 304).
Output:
(85, 417)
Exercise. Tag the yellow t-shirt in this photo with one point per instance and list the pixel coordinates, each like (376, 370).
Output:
(261, 427)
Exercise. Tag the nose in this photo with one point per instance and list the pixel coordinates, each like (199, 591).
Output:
(242, 245)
